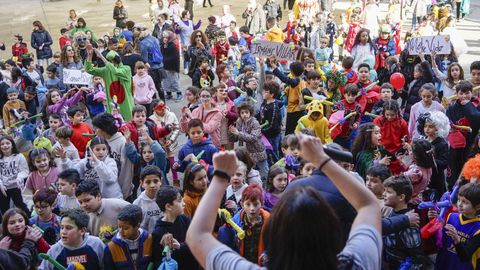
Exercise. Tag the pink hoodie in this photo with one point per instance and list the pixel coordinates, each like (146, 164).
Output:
(144, 89)
(211, 123)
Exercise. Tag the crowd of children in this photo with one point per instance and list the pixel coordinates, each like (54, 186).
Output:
(97, 168)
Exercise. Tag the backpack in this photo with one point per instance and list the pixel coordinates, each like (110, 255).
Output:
(157, 57)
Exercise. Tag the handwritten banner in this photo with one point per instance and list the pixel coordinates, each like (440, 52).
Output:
(278, 49)
(427, 44)
(73, 76)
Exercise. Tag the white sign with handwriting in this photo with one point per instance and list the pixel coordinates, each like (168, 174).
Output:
(427, 44)
(74, 76)
(278, 49)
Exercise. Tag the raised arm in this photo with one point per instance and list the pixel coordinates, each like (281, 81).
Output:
(199, 235)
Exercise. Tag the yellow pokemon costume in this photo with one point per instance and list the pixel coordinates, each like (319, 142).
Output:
(319, 125)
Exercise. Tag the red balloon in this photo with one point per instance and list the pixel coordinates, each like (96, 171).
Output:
(397, 80)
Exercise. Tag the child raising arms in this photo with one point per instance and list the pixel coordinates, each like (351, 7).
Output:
(97, 165)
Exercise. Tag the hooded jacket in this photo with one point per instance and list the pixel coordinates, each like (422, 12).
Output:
(118, 151)
(392, 132)
(151, 211)
(159, 157)
(117, 254)
(104, 172)
(211, 123)
(250, 135)
(89, 254)
(319, 126)
(13, 170)
(189, 148)
(144, 89)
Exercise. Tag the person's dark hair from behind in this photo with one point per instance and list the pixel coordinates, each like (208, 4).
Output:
(166, 195)
(243, 155)
(291, 210)
(89, 187)
(379, 170)
(297, 68)
(106, 122)
(132, 214)
(347, 62)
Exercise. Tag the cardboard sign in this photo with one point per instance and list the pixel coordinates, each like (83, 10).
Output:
(280, 50)
(74, 76)
(427, 44)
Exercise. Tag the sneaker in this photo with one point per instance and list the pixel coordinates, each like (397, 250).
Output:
(185, 71)
(179, 97)
(176, 183)
(168, 97)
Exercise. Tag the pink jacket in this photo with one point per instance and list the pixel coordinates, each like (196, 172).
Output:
(144, 89)
(211, 123)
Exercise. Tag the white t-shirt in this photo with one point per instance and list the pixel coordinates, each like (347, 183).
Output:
(363, 250)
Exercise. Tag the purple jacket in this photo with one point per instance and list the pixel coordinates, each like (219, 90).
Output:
(63, 104)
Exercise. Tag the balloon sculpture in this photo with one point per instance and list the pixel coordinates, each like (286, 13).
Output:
(434, 227)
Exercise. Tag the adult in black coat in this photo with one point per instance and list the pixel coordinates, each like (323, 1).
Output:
(41, 42)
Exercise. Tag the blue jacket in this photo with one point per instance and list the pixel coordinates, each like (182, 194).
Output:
(247, 59)
(117, 256)
(189, 148)
(147, 45)
(160, 160)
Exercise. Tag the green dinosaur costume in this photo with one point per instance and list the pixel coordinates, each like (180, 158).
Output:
(118, 84)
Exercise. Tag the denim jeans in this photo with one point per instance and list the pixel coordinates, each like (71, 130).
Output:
(275, 142)
(262, 167)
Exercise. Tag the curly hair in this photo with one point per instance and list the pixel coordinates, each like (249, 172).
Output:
(438, 119)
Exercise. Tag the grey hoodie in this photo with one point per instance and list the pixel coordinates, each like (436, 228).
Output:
(151, 211)
(89, 254)
(117, 148)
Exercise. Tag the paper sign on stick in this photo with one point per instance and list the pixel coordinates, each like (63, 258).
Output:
(427, 44)
(280, 50)
(74, 76)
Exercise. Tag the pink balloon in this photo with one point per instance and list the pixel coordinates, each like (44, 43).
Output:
(397, 80)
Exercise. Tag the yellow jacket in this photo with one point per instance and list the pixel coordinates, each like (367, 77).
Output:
(275, 34)
(319, 126)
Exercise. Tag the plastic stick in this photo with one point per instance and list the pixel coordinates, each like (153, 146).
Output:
(264, 124)
(51, 260)
(21, 122)
(245, 94)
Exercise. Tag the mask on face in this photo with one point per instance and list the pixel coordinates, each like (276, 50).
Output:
(205, 100)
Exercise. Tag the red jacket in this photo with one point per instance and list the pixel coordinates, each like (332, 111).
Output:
(392, 132)
(352, 33)
(343, 105)
(18, 51)
(80, 142)
(63, 41)
(155, 132)
(370, 98)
